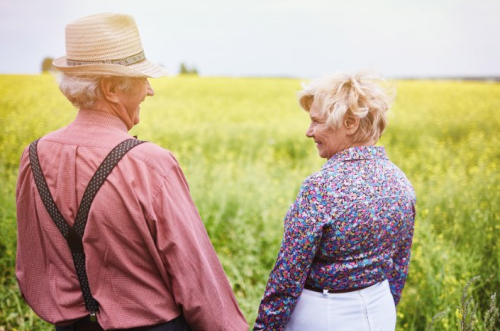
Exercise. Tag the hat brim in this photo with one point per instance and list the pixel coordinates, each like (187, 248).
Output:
(142, 69)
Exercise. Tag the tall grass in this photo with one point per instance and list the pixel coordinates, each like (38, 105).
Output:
(242, 146)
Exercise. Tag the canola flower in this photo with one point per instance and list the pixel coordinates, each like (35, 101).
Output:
(242, 145)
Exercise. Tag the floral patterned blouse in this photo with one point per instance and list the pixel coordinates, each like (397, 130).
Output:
(350, 226)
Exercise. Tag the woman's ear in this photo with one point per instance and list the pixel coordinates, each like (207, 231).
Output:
(351, 124)
(109, 89)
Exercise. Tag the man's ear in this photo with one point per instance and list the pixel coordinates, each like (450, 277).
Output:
(109, 89)
(351, 124)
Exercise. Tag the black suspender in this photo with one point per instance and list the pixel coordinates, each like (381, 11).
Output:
(74, 235)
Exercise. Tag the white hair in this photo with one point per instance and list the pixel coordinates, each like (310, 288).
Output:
(341, 95)
(84, 91)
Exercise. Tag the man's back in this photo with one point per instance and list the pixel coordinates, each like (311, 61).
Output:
(147, 251)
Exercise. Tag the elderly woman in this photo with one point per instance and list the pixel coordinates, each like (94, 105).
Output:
(346, 246)
(108, 235)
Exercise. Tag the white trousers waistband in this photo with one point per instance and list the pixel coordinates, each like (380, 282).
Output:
(369, 309)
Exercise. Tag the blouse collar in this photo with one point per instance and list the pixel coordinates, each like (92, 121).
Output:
(358, 153)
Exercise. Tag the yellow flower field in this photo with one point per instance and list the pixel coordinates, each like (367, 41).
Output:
(242, 145)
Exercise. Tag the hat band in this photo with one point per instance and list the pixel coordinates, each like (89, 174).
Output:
(139, 57)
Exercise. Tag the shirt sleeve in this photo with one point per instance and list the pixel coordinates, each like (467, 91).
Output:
(302, 234)
(401, 257)
(22, 207)
(198, 283)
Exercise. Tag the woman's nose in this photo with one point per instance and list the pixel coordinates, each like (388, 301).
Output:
(309, 131)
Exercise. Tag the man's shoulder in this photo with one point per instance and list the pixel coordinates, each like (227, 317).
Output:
(153, 156)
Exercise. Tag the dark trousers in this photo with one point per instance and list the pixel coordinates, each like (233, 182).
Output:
(84, 324)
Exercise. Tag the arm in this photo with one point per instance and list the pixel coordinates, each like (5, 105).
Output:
(197, 281)
(401, 256)
(22, 207)
(303, 231)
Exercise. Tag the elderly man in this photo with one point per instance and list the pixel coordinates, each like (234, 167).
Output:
(108, 235)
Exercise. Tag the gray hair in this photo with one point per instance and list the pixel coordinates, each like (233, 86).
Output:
(358, 95)
(84, 91)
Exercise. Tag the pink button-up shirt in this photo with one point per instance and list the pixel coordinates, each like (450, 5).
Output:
(148, 255)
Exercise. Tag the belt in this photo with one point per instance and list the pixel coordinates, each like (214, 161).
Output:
(325, 291)
(85, 324)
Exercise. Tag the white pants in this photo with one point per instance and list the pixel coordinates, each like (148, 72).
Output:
(369, 309)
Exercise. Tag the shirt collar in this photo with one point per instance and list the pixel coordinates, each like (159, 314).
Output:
(358, 153)
(100, 118)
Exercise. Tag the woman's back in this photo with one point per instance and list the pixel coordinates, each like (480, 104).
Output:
(367, 216)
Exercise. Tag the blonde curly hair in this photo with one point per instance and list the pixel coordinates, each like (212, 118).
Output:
(341, 95)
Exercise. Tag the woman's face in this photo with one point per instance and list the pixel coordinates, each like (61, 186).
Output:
(329, 141)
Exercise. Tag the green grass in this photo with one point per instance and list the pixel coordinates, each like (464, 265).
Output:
(242, 146)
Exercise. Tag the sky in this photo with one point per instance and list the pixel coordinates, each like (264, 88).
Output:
(275, 38)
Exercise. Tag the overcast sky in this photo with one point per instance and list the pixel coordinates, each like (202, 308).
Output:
(294, 38)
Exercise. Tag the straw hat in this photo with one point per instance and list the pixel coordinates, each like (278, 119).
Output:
(106, 44)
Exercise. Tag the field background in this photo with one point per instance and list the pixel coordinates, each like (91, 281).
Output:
(242, 145)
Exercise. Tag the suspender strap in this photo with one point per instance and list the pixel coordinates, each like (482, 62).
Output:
(74, 235)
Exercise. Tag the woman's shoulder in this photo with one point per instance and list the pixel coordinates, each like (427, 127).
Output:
(323, 184)
(330, 176)
(316, 178)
